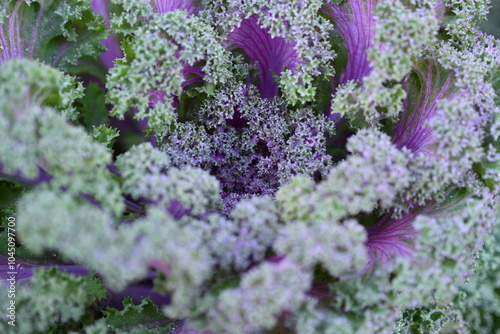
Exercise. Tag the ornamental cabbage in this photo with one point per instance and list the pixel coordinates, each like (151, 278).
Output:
(249, 166)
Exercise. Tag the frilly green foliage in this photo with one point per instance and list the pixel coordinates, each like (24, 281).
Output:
(466, 14)
(53, 302)
(445, 247)
(318, 236)
(146, 173)
(131, 15)
(39, 138)
(367, 179)
(83, 238)
(30, 83)
(310, 34)
(457, 148)
(179, 252)
(105, 135)
(155, 64)
(474, 308)
(144, 318)
(57, 33)
(90, 237)
(479, 300)
(239, 209)
(337, 247)
(141, 170)
(313, 318)
(401, 33)
(294, 205)
(246, 237)
(258, 224)
(253, 304)
(304, 27)
(435, 319)
(197, 190)
(441, 257)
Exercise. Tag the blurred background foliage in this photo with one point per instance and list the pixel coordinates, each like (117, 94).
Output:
(492, 26)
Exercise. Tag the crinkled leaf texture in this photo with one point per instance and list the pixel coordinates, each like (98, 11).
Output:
(426, 86)
(341, 246)
(272, 54)
(53, 300)
(355, 23)
(146, 316)
(159, 61)
(163, 6)
(55, 32)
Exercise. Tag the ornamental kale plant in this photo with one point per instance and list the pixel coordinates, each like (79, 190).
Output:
(249, 166)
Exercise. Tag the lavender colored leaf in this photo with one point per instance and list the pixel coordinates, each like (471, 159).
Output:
(272, 54)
